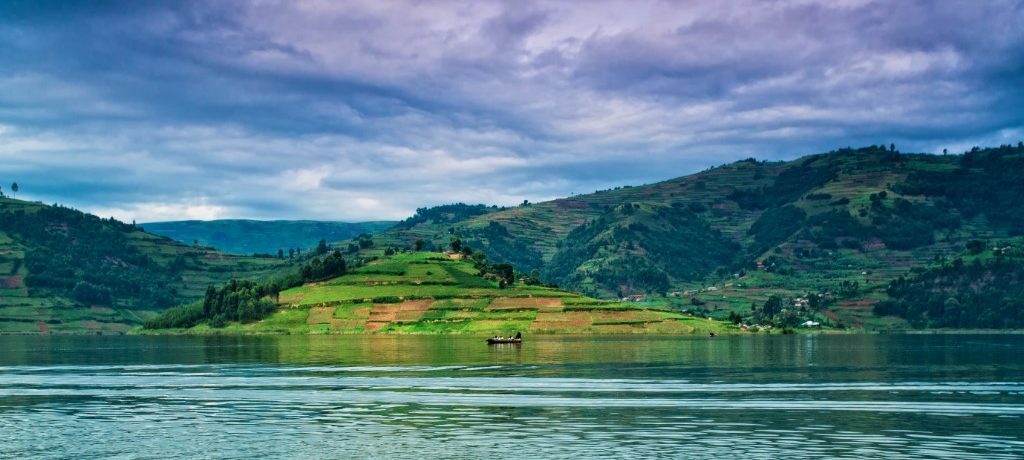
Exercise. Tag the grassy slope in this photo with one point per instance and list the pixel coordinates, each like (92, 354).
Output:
(545, 226)
(265, 237)
(25, 309)
(428, 293)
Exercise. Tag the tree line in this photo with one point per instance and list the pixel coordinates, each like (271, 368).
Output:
(245, 300)
(960, 295)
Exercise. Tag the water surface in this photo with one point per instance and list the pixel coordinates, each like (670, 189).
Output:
(554, 397)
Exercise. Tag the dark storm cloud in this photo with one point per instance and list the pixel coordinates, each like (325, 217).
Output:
(359, 110)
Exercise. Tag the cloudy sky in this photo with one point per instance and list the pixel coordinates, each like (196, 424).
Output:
(369, 109)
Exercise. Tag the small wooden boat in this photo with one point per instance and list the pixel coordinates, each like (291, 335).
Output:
(498, 340)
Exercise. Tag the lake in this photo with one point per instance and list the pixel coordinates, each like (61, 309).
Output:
(853, 396)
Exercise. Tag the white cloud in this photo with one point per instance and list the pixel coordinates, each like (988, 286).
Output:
(364, 109)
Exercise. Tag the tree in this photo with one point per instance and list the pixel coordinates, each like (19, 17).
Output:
(280, 253)
(772, 307)
(456, 245)
(479, 258)
(291, 253)
(89, 293)
(505, 273)
(14, 190)
(419, 244)
(321, 247)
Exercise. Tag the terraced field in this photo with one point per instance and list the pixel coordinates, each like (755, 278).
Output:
(429, 293)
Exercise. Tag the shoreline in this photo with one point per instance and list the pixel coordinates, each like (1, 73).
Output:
(796, 332)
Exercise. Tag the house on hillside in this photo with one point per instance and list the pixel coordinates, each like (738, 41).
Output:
(635, 298)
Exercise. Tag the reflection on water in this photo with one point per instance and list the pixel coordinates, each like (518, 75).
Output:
(575, 397)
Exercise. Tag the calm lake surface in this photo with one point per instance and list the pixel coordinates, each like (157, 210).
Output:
(912, 396)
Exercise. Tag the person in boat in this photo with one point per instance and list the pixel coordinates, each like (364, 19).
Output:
(519, 336)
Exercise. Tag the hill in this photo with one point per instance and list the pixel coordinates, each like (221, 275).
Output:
(429, 292)
(67, 271)
(261, 237)
(831, 229)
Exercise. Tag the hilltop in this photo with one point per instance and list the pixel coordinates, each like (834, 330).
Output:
(833, 230)
(239, 236)
(67, 271)
(429, 293)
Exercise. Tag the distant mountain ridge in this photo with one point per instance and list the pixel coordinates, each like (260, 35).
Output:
(241, 236)
(842, 225)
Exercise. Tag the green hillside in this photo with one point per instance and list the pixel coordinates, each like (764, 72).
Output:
(836, 227)
(261, 237)
(430, 293)
(66, 271)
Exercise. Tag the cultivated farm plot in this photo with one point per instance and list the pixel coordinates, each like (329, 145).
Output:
(526, 303)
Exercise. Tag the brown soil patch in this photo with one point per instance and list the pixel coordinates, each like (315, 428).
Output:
(11, 282)
(375, 326)
(408, 316)
(42, 327)
(526, 303)
(386, 312)
(577, 319)
(613, 316)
